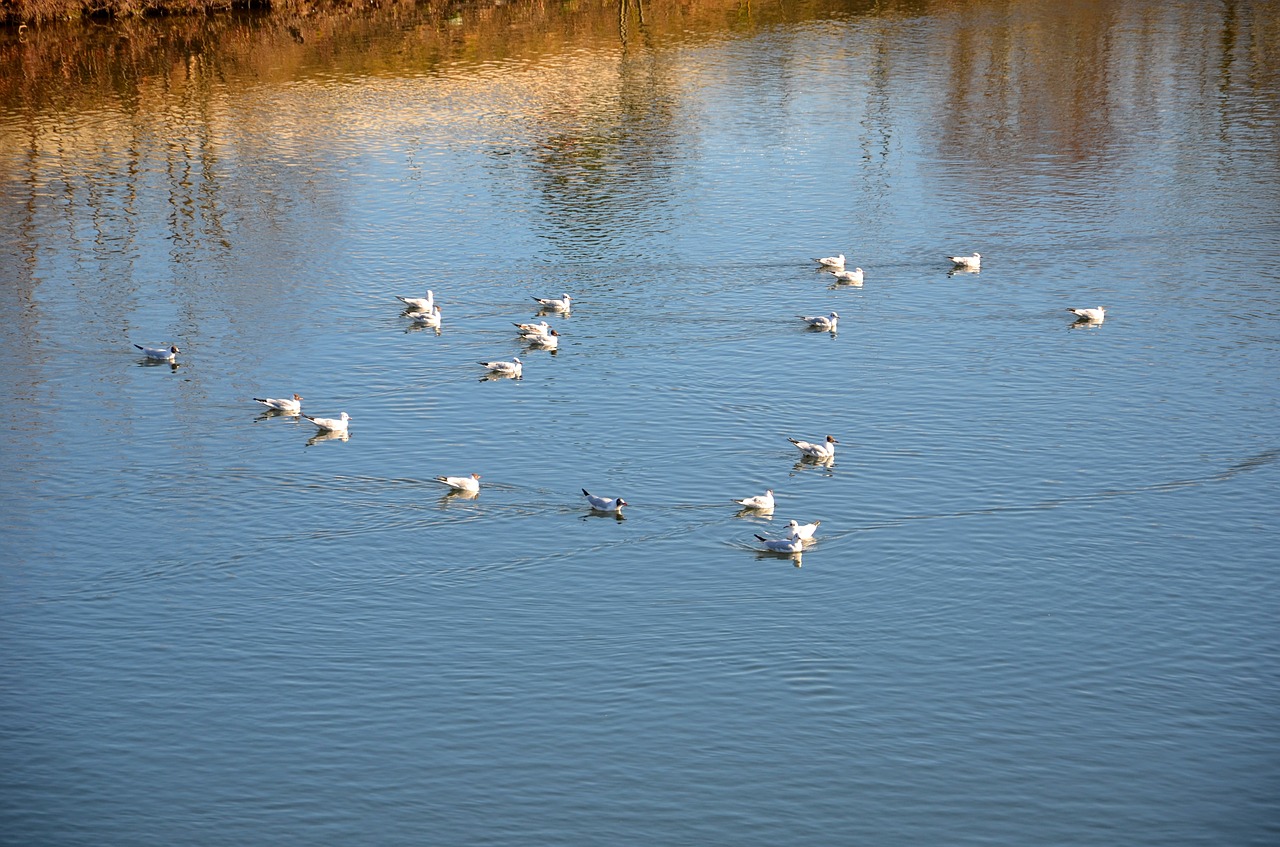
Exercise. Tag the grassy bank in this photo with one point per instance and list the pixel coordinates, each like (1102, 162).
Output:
(30, 12)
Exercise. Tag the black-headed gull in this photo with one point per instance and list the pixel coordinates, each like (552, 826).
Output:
(1093, 315)
(802, 532)
(762, 502)
(549, 340)
(338, 424)
(465, 484)
(552, 304)
(429, 317)
(421, 304)
(542, 328)
(781, 545)
(289, 407)
(604, 504)
(970, 262)
(160, 354)
(823, 322)
(853, 277)
(822, 450)
(831, 261)
(513, 368)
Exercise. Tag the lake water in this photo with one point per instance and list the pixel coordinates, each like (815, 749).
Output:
(1042, 606)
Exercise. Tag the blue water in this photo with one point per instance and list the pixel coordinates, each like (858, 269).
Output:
(1042, 604)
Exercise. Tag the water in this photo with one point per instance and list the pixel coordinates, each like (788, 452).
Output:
(1042, 604)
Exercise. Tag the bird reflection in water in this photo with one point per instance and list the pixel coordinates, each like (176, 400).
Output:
(328, 435)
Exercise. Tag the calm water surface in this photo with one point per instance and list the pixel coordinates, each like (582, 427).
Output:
(1042, 605)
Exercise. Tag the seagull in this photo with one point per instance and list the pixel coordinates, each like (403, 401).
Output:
(822, 450)
(465, 484)
(553, 305)
(421, 304)
(331, 424)
(512, 368)
(1093, 315)
(853, 277)
(604, 504)
(161, 354)
(542, 328)
(289, 407)
(781, 545)
(824, 322)
(802, 532)
(970, 262)
(430, 318)
(831, 261)
(548, 341)
(763, 502)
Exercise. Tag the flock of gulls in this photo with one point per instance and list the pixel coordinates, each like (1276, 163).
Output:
(426, 312)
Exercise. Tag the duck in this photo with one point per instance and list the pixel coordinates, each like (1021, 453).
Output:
(831, 261)
(853, 277)
(338, 424)
(604, 504)
(781, 545)
(554, 305)
(548, 341)
(801, 532)
(822, 450)
(1096, 315)
(421, 304)
(970, 262)
(464, 484)
(429, 318)
(762, 502)
(160, 354)
(289, 407)
(823, 322)
(513, 368)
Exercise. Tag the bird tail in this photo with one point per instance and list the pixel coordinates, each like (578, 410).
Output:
(586, 492)
(259, 399)
(140, 347)
(761, 537)
(793, 441)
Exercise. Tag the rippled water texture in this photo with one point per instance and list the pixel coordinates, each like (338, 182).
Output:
(1042, 604)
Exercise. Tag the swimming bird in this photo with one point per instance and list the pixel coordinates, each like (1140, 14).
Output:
(971, 262)
(513, 368)
(421, 304)
(853, 277)
(824, 322)
(289, 407)
(1093, 315)
(548, 341)
(331, 424)
(822, 450)
(160, 354)
(604, 504)
(542, 327)
(762, 502)
(465, 484)
(554, 305)
(781, 545)
(429, 318)
(802, 532)
(831, 261)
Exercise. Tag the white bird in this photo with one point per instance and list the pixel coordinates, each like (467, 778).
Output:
(763, 502)
(541, 328)
(331, 424)
(421, 304)
(465, 484)
(289, 407)
(429, 318)
(604, 504)
(971, 262)
(822, 450)
(549, 341)
(781, 545)
(831, 261)
(554, 305)
(802, 532)
(824, 322)
(1095, 315)
(513, 368)
(853, 277)
(160, 354)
